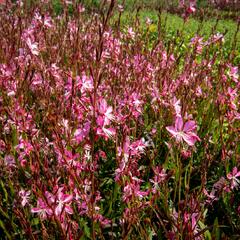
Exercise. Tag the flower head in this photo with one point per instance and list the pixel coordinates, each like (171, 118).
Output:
(25, 195)
(42, 209)
(181, 131)
(233, 178)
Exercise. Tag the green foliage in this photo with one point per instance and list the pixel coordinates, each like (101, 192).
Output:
(173, 24)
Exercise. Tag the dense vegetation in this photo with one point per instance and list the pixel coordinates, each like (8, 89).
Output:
(118, 124)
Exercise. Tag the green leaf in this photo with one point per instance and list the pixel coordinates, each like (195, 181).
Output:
(35, 221)
(207, 234)
(4, 213)
(4, 191)
(14, 137)
(216, 230)
(86, 229)
(5, 230)
(150, 234)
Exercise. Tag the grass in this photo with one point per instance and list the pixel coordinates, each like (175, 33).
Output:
(174, 23)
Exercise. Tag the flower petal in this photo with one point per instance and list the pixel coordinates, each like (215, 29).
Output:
(67, 198)
(179, 123)
(189, 126)
(36, 210)
(172, 130)
(58, 209)
(190, 139)
(68, 209)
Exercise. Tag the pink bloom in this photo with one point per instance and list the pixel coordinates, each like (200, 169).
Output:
(160, 176)
(233, 178)
(103, 120)
(9, 161)
(148, 21)
(87, 84)
(191, 219)
(82, 133)
(234, 73)
(2, 145)
(103, 221)
(184, 131)
(25, 146)
(136, 104)
(48, 22)
(191, 9)
(138, 147)
(63, 201)
(81, 9)
(218, 37)
(186, 154)
(131, 32)
(42, 209)
(153, 131)
(104, 131)
(120, 8)
(133, 190)
(32, 46)
(177, 106)
(25, 195)
(106, 111)
(211, 197)
(102, 154)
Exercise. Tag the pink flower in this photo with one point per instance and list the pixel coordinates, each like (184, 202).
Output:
(177, 106)
(211, 196)
(234, 73)
(25, 146)
(131, 33)
(9, 161)
(25, 195)
(81, 9)
(191, 9)
(132, 190)
(105, 111)
(120, 8)
(233, 178)
(186, 154)
(63, 201)
(103, 221)
(102, 130)
(2, 145)
(184, 131)
(160, 176)
(82, 133)
(32, 46)
(103, 120)
(42, 209)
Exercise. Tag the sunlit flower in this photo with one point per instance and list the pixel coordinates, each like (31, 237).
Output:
(233, 177)
(25, 195)
(42, 209)
(181, 131)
